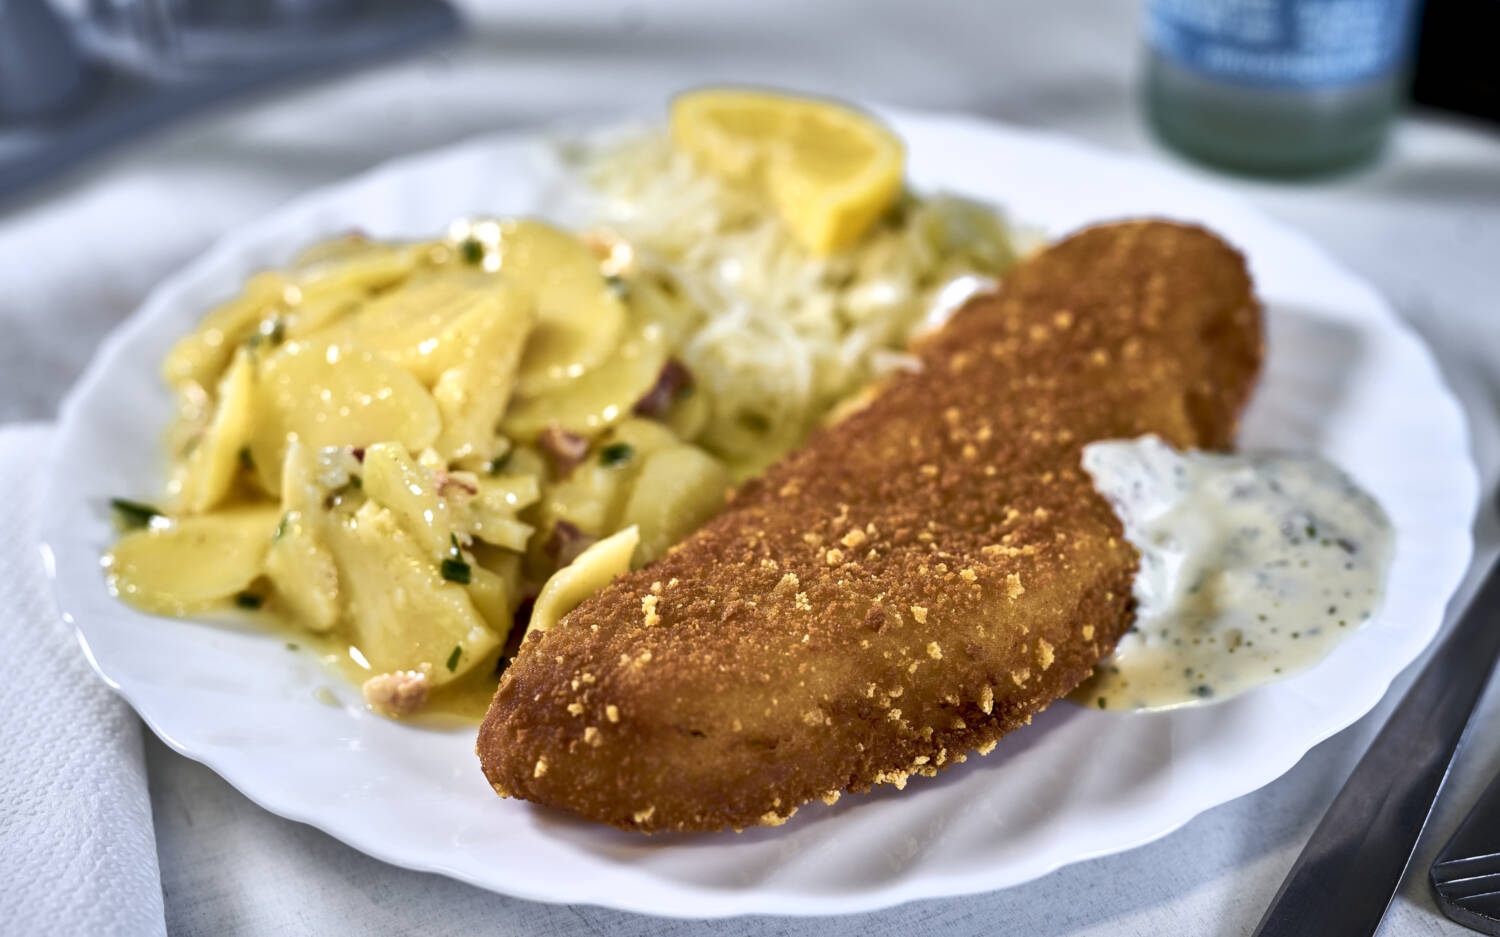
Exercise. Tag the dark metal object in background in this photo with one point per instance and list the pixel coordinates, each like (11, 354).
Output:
(1466, 875)
(1347, 874)
(70, 89)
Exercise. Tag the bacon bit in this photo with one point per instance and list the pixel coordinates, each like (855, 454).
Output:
(564, 450)
(359, 454)
(671, 382)
(446, 484)
(566, 542)
(400, 693)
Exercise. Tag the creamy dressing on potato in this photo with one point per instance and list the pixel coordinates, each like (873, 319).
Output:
(1253, 567)
(363, 451)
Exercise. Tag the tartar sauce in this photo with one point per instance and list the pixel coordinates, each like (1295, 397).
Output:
(1253, 566)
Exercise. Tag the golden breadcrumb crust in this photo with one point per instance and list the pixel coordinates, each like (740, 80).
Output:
(915, 582)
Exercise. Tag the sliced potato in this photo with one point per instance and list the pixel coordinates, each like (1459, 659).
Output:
(648, 300)
(579, 318)
(302, 572)
(334, 278)
(191, 562)
(503, 563)
(675, 491)
(643, 437)
(594, 569)
(483, 350)
(299, 562)
(418, 323)
(689, 415)
(394, 480)
(328, 395)
(201, 356)
(402, 614)
(524, 460)
(509, 492)
(492, 512)
(204, 478)
(598, 399)
(314, 316)
(590, 498)
(352, 264)
(494, 599)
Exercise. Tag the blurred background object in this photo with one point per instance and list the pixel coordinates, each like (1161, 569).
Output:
(1457, 68)
(41, 69)
(1277, 87)
(75, 82)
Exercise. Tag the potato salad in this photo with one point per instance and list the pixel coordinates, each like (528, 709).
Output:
(397, 445)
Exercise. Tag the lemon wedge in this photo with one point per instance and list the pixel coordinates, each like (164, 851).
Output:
(829, 170)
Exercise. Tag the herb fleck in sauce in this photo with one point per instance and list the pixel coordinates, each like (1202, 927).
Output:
(1253, 566)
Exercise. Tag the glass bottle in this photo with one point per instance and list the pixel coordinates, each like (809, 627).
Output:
(1276, 87)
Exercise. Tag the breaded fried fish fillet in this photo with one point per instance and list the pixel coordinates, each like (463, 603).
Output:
(915, 582)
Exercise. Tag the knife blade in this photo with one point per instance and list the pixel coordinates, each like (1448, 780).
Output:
(1347, 874)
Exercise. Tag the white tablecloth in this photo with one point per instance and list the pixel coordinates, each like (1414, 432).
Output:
(1423, 225)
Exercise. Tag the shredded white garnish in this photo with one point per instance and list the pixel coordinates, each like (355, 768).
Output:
(775, 334)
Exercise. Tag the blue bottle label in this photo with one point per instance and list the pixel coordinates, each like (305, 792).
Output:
(1282, 43)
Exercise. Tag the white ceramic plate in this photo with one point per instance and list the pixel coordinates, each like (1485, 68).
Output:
(1344, 377)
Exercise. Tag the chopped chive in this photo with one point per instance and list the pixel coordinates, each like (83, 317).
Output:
(458, 651)
(1311, 531)
(617, 285)
(291, 647)
(281, 527)
(1101, 702)
(247, 461)
(496, 466)
(248, 600)
(134, 514)
(617, 454)
(471, 250)
(356, 482)
(453, 544)
(456, 571)
(269, 332)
